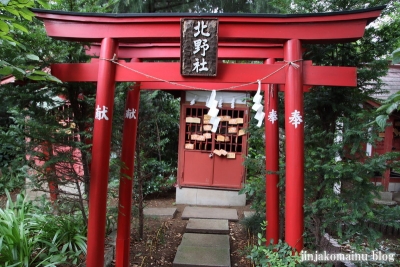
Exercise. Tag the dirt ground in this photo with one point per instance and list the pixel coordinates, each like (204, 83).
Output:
(162, 237)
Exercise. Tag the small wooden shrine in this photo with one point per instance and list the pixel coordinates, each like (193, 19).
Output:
(207, 158)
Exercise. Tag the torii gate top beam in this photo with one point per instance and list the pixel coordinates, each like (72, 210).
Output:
(240, 36)
(330, 27)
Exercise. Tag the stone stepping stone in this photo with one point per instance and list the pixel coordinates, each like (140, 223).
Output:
(207, 226)
(210, 213)
(205, 250)
(205, 240)
(160, 212)
(187, 256)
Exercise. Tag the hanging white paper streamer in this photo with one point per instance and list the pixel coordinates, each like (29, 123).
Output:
(260, 121)
(257, 106)
(211, 99)
(233, 103)
(193, 101)
(220, 102)
(257, 98)
(213, 111)
(260, 114)
(215, 122)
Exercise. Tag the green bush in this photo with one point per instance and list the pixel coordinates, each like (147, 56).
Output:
(11, 179)
(253, 223)
(278, 255)
(67, 235)
(161, 176)
(29, 237)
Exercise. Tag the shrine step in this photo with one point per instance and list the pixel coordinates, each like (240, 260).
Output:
(166, 213)
(209, 197)
(207, 226)
(206, 250)
(210, 213)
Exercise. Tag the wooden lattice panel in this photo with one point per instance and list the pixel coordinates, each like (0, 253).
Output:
(228, 137)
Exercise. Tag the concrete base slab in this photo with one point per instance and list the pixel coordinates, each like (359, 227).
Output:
(205, 240)
(385, 202)
(160, 212)
(188, 256)
(248, 214)
(207, 226)
(386, 196)
(210, 213)
(209, 197)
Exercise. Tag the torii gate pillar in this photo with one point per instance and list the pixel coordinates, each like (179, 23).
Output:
(101, 153)
(272, 162)
(127, 175)
(294, 110)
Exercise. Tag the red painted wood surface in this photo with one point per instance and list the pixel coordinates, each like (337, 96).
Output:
(272, 162)
(200, 166)
(395, 180)
(329, 27)
(294, 213)
(47, 150)
(388, 144)
(198, 169)
(228, 173)
(100, 158)
(246, 51)
(126, 182)
(227, 73)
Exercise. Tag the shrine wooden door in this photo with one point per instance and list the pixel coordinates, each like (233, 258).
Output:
(213, 159)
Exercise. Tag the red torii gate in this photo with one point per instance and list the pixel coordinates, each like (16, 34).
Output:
(241, 36)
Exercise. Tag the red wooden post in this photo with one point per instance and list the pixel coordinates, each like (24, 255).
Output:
(272, 161)
(294, 127)
(387, 147)
(126, 182)
(53, 184)
(101, 154)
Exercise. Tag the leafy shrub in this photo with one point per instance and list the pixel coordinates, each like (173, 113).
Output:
(11, 179)
(253, 223)
(29, 237)
(161, 176)
(254, 188)
(20, 236)
(67, 235)
(279, 255)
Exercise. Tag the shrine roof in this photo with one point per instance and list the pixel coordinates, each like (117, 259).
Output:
(390, 82)
(343, 26)
(237, 15)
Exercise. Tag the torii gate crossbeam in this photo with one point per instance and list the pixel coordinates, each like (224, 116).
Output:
(256, 34)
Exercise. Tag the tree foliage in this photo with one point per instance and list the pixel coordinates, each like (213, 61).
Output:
(54, 118)
(14, 14)
(337, 128)
(191, 6)
(156, 146)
